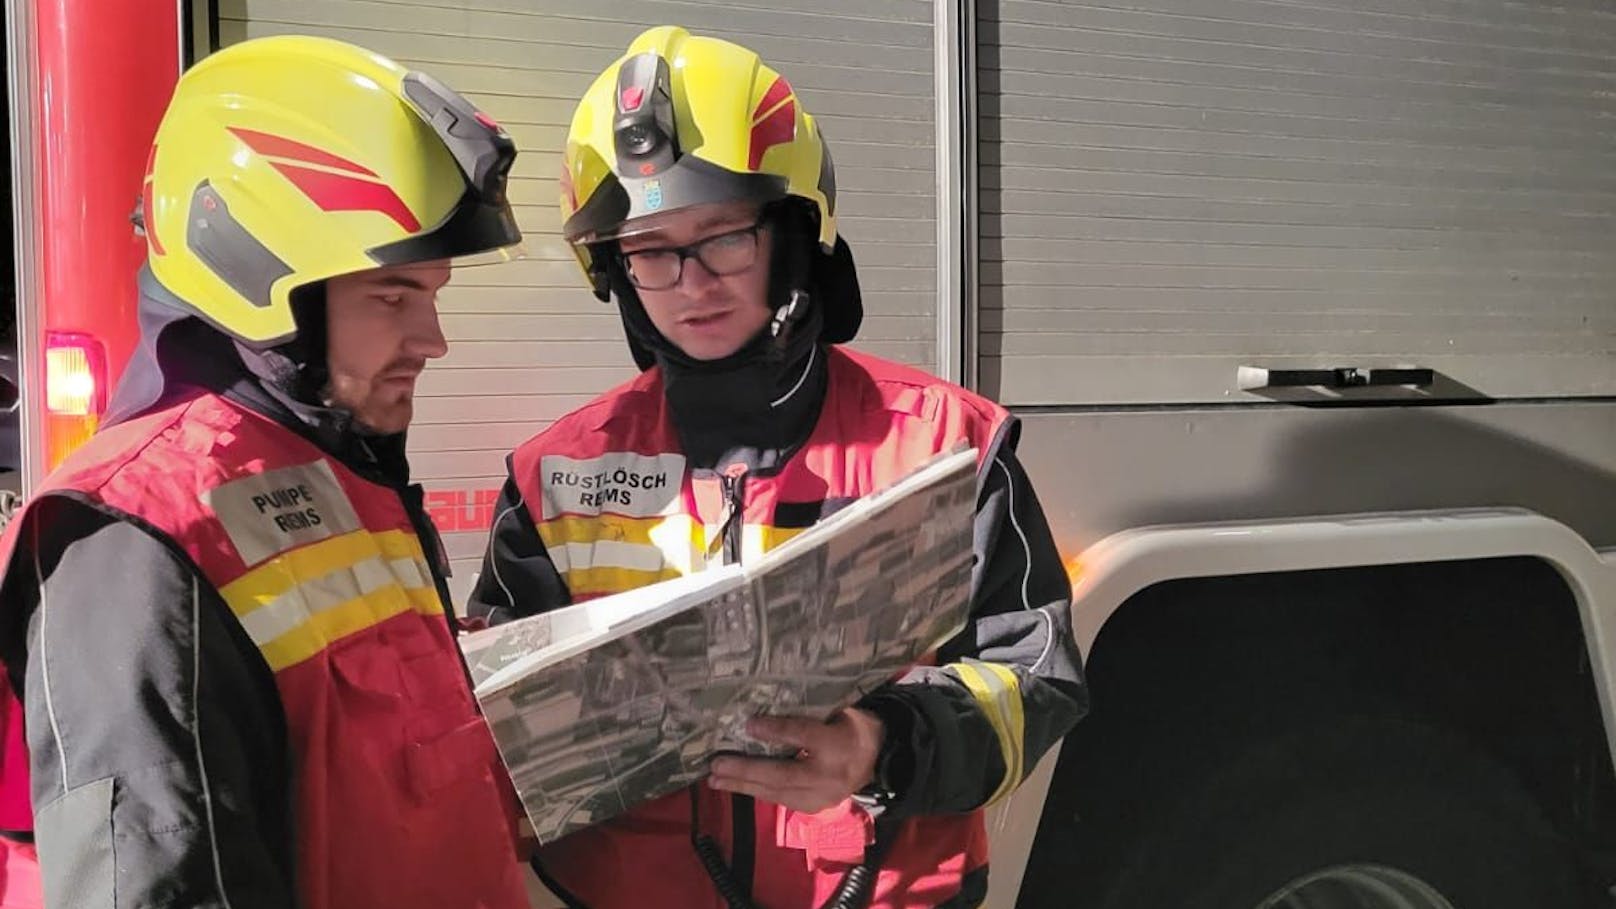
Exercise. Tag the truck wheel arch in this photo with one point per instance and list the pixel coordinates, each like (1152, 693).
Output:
(1203, 567)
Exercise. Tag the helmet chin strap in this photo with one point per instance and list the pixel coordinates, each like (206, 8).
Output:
(802, 379)
(786, 317)
(790, 273)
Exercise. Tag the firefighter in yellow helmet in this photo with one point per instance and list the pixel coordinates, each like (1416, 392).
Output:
(225, 617)
(699, 194)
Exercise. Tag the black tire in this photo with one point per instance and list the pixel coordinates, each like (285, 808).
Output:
(1361, 794)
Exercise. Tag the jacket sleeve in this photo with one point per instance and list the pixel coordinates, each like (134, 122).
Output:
(155, 732)
(518, 579)
(966, 732)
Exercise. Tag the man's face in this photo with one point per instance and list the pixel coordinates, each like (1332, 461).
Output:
(703, 275)
(382, 327)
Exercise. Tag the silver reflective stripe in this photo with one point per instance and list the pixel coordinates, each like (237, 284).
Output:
(44, 659)
(310, 598)
(607, 554)
(196, 725)
(411, 572)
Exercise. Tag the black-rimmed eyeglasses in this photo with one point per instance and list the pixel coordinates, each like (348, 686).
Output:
(728, 253)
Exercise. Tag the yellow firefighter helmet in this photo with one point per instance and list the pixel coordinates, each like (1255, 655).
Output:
(682, 120)
(288, 160)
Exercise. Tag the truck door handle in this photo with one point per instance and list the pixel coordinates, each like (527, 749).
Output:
(1253, 377)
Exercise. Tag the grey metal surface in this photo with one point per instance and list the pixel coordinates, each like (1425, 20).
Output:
(21, 63)
(1172, 188)
(528, 342)
(957, 229)
(1101, 472)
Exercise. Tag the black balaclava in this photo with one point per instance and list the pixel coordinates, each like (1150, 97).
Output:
(757, 405)
(180, 355)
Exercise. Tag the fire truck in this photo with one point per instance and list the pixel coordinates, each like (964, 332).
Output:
(1308, 311)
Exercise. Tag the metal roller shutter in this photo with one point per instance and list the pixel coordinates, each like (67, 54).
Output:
(1172, 188)
(528, 343)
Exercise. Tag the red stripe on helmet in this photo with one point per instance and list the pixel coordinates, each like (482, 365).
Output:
(339, 192)
(281, 147)
(777, 129)
(779, 91)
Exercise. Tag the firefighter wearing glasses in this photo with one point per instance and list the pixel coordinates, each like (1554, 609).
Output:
(700, 195)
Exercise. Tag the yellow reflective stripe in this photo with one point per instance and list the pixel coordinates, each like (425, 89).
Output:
(756, 539)
(607, 554)
(588, 542)
(680, 539)
(613, 580)
(398, 544)
(774, 536)
(299, 601)
(287, 570)
(266, 621)
(998, 693)
(404, 555)
(425, 600)
(752, 542)
(1015, 721)
(573, 529)
(334, 624)
(612, 553)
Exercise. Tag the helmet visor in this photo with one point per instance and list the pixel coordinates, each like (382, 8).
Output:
(476, 232)
(623, 206)
(482, 226)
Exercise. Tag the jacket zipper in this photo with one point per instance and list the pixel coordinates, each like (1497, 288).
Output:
(743, 819)
(733, 480)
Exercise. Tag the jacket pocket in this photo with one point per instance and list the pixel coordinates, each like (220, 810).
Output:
(75, 834)
(463, 754)
(833, 838)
